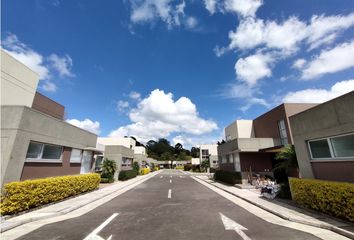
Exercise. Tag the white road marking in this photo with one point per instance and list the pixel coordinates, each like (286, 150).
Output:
(169, 193)
(230, 224)
(93, 235)
(170, 180)
(161, 177)
(170, 176)
(181, 176)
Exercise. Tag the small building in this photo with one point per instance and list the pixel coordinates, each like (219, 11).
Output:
(36, 142)
(209, 152)
(324, 140)
(119, 149)
(252, 144)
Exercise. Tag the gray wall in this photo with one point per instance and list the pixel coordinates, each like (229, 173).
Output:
(328, 119)
(20, 125)
(117, 153)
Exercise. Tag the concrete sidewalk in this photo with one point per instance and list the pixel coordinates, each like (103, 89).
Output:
(71, 204)
(286, 211)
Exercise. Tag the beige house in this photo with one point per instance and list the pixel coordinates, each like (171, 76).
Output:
(36, 142)
(324, 140)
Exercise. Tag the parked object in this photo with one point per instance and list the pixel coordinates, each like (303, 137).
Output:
(270, 191)
(21, 196)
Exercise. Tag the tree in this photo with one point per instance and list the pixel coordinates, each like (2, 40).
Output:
(195, 152)
(109, 167)
(204, 165)
(286, 159)
(178, 148)
(136, 166)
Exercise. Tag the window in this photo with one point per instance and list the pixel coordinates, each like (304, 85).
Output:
(34, 150)
(282, 132)
(75, 156)
(42, 152)
(205, 152)
(343, 146)
(320, 149)
(52, 152)
(332, 147)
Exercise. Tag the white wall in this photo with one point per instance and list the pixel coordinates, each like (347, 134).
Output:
(239, 129)
(18, 82)
(117, 141)
(213, 149)
(140, 150)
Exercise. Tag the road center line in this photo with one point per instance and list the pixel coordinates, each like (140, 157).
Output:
(170, 180)
(93, 234)
(170, 176)
(161, 177)
(169, 193)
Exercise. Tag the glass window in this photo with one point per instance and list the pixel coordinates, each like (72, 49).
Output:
(320, 149)
(205, 152)
(282, 132)
(343, 146)
(52, 152)
(34, 150)
(75, 156)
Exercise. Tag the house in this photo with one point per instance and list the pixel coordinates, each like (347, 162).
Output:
(36, 142)
(209, 152)
(119, 149)
(140, 155)
(251, 145)
(324, 140)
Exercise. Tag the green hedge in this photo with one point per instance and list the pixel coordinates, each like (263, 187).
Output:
(334, 198)
(127, 174)
(228, 177)
(21, 196)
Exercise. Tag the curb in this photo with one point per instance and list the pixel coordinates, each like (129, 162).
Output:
(14, 224)
(323, 226)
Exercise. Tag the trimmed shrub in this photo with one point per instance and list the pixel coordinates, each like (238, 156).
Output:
(334, 198)
(127, 174)
(156, 168)
(21, 196)
(144, 171)
(179, 168)
(106, 180)
(228, 177)
(187, 167)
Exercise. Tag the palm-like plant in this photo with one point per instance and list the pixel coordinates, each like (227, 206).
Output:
(287, 159)
(109, 167)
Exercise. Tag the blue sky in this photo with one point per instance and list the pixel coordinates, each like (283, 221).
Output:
(181, 69)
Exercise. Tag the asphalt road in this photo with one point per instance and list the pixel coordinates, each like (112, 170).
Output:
(170, 205)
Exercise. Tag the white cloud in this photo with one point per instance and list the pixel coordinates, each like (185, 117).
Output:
(330, 61)
(287, 35)
(299, 63)
(245, 8)
(26, 55)
(134, 95)
(49, 86)
(324, 29)
(86, 124)
(40, 64)
(210, 5)
(62, 65)
(144, 11)
(191, 22)
(318, 95)
(122, 105)
(158, 115)
(246, 92)
(253, 68)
